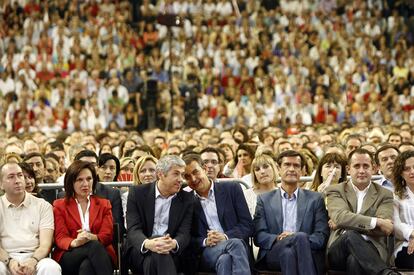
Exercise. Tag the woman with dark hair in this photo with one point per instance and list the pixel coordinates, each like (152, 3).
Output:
(108, 167)
(403, 179)
(105, 148)
(126, 145)
(83, 225)
(240, 135)
(241, 165)
(30, 179)
(331, 170)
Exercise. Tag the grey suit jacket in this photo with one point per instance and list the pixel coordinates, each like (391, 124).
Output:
(342, 208)
(312, 219)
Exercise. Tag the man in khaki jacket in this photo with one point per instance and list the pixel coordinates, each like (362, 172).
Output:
(361, 214)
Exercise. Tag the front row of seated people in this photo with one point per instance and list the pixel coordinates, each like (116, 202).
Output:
(170, 230)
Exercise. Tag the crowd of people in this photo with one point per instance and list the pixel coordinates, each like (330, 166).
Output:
(95, 65)
(249, 120)
(198, 208)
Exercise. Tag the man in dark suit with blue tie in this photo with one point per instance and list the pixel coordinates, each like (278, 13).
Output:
(159, 220)
(291, 224)
(221, 224)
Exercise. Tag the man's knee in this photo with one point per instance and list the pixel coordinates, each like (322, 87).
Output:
(301, 236)
(161, 258)
(235, 244)
(352, 234)
(48, 266)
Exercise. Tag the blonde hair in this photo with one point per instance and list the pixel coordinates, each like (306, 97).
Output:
(125, 161)
(138, 166)
(259, 161)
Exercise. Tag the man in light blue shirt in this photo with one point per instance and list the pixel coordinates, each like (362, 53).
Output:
(159, 220)
(291, 224)
(222, 222)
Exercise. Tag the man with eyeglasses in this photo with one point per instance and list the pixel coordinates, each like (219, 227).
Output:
(211, 162)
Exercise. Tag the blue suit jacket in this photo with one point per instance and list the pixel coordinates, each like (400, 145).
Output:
(312, 218)
(232, 211)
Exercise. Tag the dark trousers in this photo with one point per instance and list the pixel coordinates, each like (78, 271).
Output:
(88, 259)
(292, 256)
(404, 260)
(352, 253)
(152, 263)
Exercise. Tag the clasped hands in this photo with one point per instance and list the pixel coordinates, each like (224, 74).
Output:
(161, 245)
(26, 267)
(214, 237)
(82, 238)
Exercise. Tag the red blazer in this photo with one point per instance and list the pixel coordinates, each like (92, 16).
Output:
(67, 223)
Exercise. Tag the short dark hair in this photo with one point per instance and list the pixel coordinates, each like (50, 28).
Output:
(393, 134)
(28, 169)
(353, 136)
(72, 173)
(189, 158)
(383, 148)
(211, 150)
(291, 153)
(35, 154)
(52, 156)
(243, 131)
(105, 157)
(56, 146)
(86, 153)
(245, 147)
(361, 151)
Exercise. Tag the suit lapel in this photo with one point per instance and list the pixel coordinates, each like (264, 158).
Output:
(220, 202)
(301, 205)
(351, 196)
(276, 207)
(369, 199)
(73, 211)
(150, 207)
(174, 215)
(198, 209)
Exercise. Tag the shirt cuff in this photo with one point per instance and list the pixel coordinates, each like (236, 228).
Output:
(143, 250)
(204, 242)
(373, 223)
(177, 247)
(226, 236)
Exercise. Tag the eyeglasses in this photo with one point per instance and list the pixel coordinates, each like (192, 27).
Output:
(212, 161)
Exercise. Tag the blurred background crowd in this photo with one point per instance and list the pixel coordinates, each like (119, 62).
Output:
(94, 74)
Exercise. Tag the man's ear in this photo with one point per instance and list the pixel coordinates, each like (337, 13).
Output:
(159, 174)
(347, 169)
